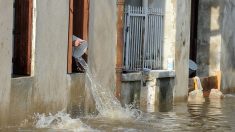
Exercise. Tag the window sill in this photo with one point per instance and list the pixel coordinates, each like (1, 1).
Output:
(155, 73)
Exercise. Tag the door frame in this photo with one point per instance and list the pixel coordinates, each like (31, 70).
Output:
(85, 25)
(193, 30)
(19, 67)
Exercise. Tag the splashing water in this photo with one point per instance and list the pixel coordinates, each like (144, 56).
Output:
(60, 120)
(197, 94)
(106, 103)
(216, 93)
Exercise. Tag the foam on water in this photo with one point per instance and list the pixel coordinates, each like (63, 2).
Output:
(61, 121)
(197, 94)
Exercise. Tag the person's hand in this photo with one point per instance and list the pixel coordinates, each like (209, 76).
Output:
(77, 42)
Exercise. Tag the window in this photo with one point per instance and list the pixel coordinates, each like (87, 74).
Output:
(78, 26)
(143, 39)
(22, 38)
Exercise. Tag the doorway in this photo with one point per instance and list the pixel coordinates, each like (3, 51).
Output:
(193, 32)
(22, 33)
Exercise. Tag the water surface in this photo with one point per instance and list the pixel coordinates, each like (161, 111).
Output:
(211, 115)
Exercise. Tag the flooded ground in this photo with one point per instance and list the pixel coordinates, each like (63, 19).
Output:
(211, 115)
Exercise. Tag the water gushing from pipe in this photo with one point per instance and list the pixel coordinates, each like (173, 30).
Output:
(106, 103)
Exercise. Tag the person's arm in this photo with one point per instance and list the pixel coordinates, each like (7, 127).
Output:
(77, 41)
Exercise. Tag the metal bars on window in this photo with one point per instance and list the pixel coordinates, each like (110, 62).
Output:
(143, 38)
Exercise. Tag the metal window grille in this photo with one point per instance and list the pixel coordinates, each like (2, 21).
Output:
(143, 38)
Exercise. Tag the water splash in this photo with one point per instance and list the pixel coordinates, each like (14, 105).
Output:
(197, 94)
(60, 121)
(106, 103)
(216, 93)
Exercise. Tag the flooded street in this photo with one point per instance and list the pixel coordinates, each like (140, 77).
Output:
(77, 65)
(211, 115)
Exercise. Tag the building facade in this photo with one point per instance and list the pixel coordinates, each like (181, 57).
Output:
(51, 87)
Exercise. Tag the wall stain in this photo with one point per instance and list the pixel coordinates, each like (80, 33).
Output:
(1, 45)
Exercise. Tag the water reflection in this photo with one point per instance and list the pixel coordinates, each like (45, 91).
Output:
(209, 115)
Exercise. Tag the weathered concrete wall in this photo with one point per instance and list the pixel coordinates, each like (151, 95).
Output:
(130, 92)
(80, 100)
(49, 90)
(176, 40)
(102, 41)
(228, 45)
(209, 37)
(133, 2)
(21, 104)
(156, 89)
(20, 101)
(165, 86)
(182, 48)
(6, 26)
(157, 4)
(216, 43)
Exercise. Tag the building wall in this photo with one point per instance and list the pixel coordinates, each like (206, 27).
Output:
(20, 99)
(183, 13)
(133, 2)
(169, 9)
(228, 45)
(6, 26)
(157, 3)
(49, 90)
(216, 43)
(102, 41)
(176, 40)
(209, 37)
(80, 101)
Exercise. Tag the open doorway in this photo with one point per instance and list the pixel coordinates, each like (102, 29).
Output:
(193, 33)
(22, 33)
(78, 26)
